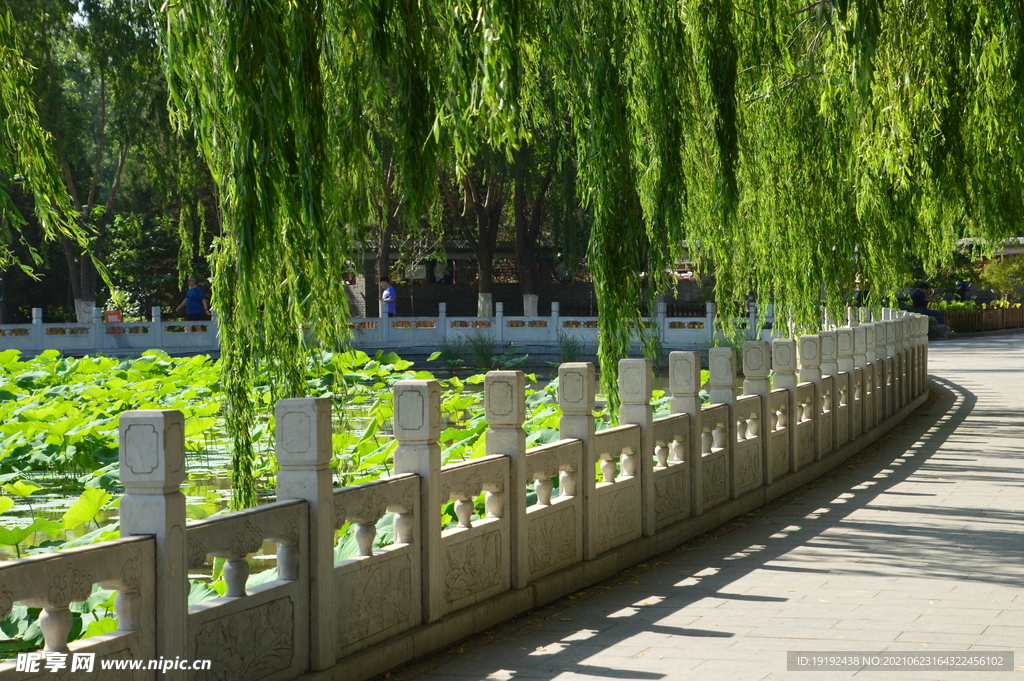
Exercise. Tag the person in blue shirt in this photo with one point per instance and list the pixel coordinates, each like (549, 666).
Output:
(387, 295)
(197, 307)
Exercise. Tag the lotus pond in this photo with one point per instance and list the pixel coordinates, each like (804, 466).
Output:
(59, 483)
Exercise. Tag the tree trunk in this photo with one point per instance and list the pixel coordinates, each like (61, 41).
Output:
(528, 222)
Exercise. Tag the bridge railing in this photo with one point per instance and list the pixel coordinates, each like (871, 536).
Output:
(99, 337)
(530, 524)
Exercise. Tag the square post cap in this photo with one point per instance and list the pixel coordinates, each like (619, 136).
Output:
(636, 380)
(505, 398)
(756, 359)
(722, 367)
(152, 450)
(303, 433)
(684, 373)
(810, 350)
(784, 355)
(576, 388)
(829, 350)
(417, 407)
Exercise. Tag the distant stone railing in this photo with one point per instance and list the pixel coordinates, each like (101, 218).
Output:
(623, 495)
(99, 337)
(673, 332)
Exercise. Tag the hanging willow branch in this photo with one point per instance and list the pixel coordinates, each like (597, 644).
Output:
(799, 150)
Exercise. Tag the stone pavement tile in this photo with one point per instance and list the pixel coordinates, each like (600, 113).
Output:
(713, 670)
(824, 634)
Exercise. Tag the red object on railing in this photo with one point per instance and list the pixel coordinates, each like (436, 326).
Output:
(113, 317)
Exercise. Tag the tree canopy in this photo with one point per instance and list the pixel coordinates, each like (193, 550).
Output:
(799, 149)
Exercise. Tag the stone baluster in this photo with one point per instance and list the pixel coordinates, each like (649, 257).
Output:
(303, 445)
(829, 353)
(417, 426)
(505, 411)
(756, 367)
(152, 466)
(784, 365)
(576, 392)
(684, 384)
(636, 380)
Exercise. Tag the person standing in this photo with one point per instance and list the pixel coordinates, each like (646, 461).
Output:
(197, 307)
(387, 295)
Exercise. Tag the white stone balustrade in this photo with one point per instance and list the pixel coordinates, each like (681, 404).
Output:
(623, 495)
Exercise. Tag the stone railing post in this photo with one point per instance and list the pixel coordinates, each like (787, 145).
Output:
(784, 365)
(576, 389)
(442, 321)
(880, 369)
(152, 466)
(303, 446)
(722, 376)
(156, 315)
(499, 322)
(505, 412)
(829, 353)
(684, 384)
(38, 334)
(711, 310)
(756, 367)
(554, 321)
(98, 331)
(752, 331)
(810, 359)
(852, 317)
(417, 425)
(844, 342)
(860, 347)
(662, 316)
(892, 365)
(722, 384)
(636, 380)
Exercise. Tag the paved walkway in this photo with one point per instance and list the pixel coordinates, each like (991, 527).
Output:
(913, 545)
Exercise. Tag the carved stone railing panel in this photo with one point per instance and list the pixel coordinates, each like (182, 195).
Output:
(747, 465)
(52, 581)
(378, 592)
(672, 470)
(827, 398)
(779, 430)
(365, 504)
(554, 525)
(261, 632)
(716, 451)
(805, 442)
(617, 514)
(475, 561)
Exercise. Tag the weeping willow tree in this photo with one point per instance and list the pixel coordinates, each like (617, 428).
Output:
(26, 156)
(797, 148)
